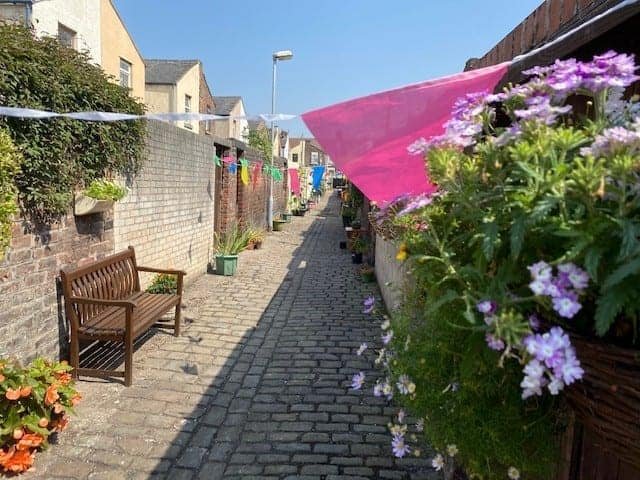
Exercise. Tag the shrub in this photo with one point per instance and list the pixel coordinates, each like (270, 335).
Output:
(164, 283)
(34, 403)
(62, 154)
(105, 190)
(534, 232)
(10, 161)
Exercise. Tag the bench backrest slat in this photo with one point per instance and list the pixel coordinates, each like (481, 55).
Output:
(112, 278)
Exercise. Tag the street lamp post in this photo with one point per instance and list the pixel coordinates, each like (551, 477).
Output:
(280, 55)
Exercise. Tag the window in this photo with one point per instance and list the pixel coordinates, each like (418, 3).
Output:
(66, 36)
(314, 158)
(294, 157)
(125, 73)
(187, 109)
(207, 124)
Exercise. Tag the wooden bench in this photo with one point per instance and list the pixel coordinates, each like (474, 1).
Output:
(103, 301)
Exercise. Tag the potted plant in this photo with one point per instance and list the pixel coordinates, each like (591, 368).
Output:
(525, 273)
(36, 403)
(256, 237)
(278, 224)
(348, 214)
(227, 247)
(359, 247)
(98, 197)
(368, 274)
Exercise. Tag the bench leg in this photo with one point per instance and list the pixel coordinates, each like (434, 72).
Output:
(75, 355)
(176, 328)
(128, 358)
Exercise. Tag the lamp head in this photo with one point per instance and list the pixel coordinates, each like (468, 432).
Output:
(283, 55)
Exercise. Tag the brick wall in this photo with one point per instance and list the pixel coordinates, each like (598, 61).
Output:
(550, 20)
(247, 204)
(206, 104)
(31, 319)
(168, 215)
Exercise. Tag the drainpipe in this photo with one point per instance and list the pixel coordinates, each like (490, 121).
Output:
(28, 9)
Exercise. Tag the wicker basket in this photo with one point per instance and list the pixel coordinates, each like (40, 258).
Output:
(607, 400)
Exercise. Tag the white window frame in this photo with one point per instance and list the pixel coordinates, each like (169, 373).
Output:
(128, 64)
(187, 109)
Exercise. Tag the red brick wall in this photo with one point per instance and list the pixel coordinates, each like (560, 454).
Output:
(31, 320)
(548, 21)
(247, 204)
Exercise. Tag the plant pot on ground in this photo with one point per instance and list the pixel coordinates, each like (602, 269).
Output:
(368, 274)
(227, 246)
(278, 225)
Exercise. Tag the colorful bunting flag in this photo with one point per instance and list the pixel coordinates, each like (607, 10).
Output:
(244, 171)
(233, 168)
(217, 161)
(255, 174)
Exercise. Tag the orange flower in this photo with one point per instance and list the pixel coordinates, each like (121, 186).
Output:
(51, 396)
(4, 456)
(20, 461)
(58, 407)
(25, 391)
(63, 377)
(43, 422)
(12, 394)
(75, 400)
(30, 440)
(2, 378)
(18, 433)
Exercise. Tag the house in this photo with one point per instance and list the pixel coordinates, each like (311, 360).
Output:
(207, 105)
(76, 23)
(306, 152)
(231, 127)
(612, 26)
(173, 86)
(120, 56)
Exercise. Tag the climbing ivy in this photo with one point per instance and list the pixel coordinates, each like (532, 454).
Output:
(260, 139)
(9, 167)
(60, 154)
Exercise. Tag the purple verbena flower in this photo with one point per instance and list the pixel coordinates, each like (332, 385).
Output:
(533, 380)
(578, 278)
(361, 349)
(357, 381)
(417, 202)
(386, 338)
(369, 304)
(399, 447)
(487, 307)
(567, 305)
(540, 271)
(534, 322)
(493, 342)
(613, 141)
(419, 147)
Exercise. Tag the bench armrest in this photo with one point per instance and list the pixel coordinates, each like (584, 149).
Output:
(161, 270)
(100, 301)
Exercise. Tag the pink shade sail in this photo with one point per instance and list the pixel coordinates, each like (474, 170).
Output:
(295, 181)
(367, 138)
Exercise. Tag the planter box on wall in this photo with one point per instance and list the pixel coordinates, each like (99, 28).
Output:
(84, 205)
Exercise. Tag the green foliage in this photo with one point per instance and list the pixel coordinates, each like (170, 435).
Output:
(233, 241)
(164, 283)
(467, 401)
(34, 403)
(105, 190)
(260, 139)
(10, 160)
(360, 245)
(62, 154)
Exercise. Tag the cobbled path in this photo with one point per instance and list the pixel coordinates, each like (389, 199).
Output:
(258, 385)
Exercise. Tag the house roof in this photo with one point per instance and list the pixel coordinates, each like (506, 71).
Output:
(167, 72)
(257, 124)
(224, 105)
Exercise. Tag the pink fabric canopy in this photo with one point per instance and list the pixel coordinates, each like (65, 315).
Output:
(367, 138)
(295, 181)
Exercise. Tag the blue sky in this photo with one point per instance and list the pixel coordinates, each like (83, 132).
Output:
(342, 48)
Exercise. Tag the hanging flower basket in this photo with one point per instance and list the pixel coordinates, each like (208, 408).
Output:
(607, 400)
(84, 205)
